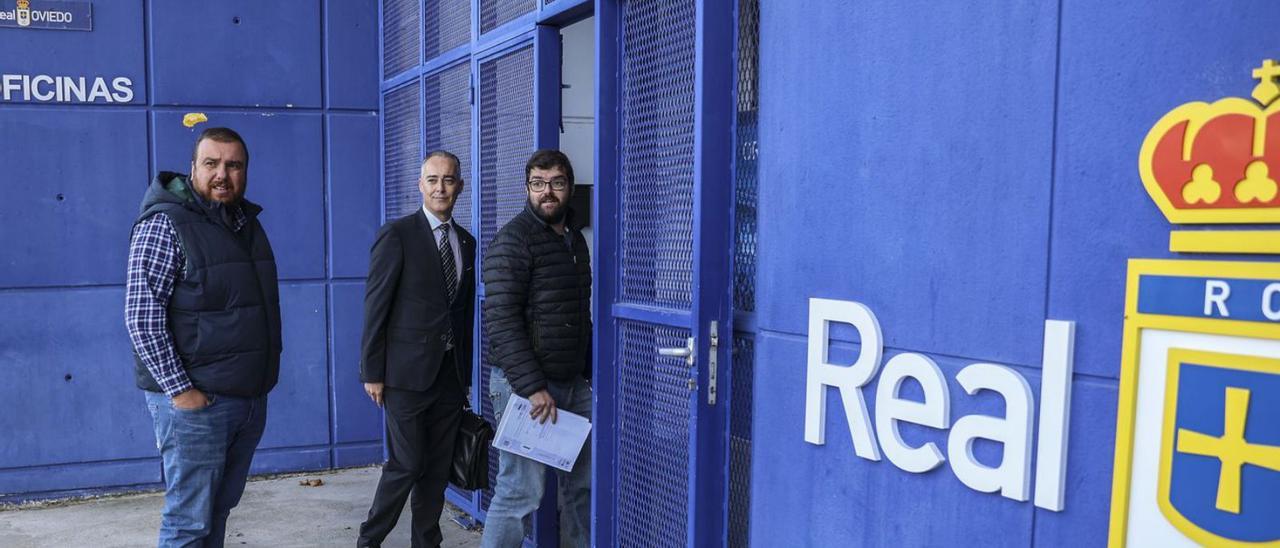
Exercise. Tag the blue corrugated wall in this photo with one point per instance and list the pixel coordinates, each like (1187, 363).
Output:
(299, 79)
(967, 170)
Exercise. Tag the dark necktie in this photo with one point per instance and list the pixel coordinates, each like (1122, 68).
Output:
(447, 264)
(450, 269)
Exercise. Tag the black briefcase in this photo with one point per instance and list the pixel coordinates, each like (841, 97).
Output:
(470, 470)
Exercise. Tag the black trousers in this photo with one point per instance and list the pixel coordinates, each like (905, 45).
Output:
(421, 429)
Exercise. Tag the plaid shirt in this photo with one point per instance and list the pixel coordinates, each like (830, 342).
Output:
(156, 264)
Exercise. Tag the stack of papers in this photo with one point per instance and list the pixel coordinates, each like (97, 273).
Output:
(555, 445)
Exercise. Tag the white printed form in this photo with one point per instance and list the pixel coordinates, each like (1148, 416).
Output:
(555, 445)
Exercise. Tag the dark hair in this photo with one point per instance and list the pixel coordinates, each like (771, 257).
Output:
(548, 158)
(457, 164)
(221, 135)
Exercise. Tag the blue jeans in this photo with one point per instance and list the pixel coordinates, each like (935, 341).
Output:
(521, 481)
(206, 454)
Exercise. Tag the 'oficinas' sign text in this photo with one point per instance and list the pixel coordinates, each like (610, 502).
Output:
(43, 88)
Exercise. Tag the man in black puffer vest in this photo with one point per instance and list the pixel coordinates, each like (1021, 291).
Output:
(537, 276)
(202, 308)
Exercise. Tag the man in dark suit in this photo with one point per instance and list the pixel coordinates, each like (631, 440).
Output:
(416, 353)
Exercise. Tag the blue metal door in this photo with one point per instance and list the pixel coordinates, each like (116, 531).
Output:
(663, 295)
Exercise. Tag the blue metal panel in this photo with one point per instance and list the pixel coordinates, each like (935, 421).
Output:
(352, 142)
(839, 499)
(286, 174)
(70, 480)
(355, 417)
(191, 63)
(447, 126)
(299, 404)
(275, 461)
(401, 150)
(114, 48)
(351, 54)
(447, 26)
(1101, 214)
(74, 230)
(905, 196)
(495, 13)
(66, 386)
(506, 138)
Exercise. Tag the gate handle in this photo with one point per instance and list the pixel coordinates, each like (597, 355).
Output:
(685, 352)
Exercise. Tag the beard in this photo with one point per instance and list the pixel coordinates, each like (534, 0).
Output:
(555, 215)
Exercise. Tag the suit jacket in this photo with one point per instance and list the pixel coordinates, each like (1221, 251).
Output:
(407, 315)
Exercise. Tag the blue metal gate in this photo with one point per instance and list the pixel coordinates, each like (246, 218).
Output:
(663, 293)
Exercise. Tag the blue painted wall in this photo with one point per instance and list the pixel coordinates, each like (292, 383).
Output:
(299, 80)
(967, 170)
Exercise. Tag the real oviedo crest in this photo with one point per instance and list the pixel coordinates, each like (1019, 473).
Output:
(1198, 430)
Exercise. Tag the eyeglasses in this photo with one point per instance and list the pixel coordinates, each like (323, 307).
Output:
(539, 185)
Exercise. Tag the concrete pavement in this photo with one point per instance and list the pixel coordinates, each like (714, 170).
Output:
(274, 512)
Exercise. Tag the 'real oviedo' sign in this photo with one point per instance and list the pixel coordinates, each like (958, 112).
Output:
(874, 436)
(46, 14)
(1197, 457)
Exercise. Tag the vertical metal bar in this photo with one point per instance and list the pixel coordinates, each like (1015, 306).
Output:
(713, 238)
(546, 87)
(546, 134)
(605, 292)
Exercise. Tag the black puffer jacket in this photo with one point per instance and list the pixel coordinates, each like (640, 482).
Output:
(537, 306)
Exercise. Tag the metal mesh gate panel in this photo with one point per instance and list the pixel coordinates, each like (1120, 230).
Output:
(653, 437)
(402, 155)
(744, 272)
(399, 36)
(746, 151)
(657, 152)
(506, 138)
(447, 26)
(493, 13)
(447, 126)
(740, 439)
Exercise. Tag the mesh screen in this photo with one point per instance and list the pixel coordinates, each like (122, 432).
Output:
(740, 439)
(653, 436)
(447, 25)
(447, 114)
(747, 149)
(402, 155)
(494, 13)
(399, 36)
(506, 138)
(657, 152)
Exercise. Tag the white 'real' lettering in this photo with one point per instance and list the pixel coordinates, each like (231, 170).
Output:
(848, 379)
(1055, 413)
(1012, 478)
(934, 411)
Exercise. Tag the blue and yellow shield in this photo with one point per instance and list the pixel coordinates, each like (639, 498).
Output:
(1220, 448)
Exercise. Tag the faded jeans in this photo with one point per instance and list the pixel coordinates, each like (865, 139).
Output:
(206, 454)
(521, 481)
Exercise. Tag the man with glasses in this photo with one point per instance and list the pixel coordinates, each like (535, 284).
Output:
(416, 353)
(537, 275)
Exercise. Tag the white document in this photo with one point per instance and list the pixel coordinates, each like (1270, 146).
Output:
(555, 445)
